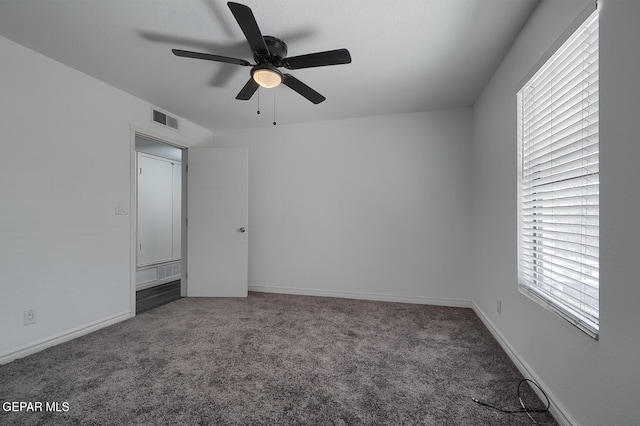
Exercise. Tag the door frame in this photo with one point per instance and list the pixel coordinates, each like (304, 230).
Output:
(133, 213)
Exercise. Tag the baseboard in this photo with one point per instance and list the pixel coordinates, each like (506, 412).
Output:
(61, 338)
(382, 297)
(159, 295)
(559, 412)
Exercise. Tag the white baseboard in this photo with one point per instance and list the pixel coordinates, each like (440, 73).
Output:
(63, 337)
(382, 297)
(559, 412)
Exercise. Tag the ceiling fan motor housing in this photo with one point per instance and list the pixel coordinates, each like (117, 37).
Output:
(270, 53)
(277, 52)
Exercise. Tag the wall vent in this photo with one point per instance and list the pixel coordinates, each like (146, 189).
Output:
(164, 119)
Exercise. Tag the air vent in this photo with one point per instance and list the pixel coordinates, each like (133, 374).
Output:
(172, 122)
(164, 119)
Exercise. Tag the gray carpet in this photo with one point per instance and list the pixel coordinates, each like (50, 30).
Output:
(274, 360)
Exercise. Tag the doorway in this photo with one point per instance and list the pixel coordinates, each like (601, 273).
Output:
(215, 236)
(159, 260)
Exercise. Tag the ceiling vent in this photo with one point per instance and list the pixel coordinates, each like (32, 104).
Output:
(164, 119)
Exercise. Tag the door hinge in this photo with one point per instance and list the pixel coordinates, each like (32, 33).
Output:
(140, 170)
(140, 246)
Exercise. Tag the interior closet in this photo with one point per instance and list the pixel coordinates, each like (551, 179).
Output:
(159, 210)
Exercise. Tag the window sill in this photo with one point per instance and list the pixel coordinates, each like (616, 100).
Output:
(534, 296)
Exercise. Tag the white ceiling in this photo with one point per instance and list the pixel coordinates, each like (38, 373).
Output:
(409, 55)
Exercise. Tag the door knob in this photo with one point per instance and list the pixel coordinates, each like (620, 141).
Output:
(242, 229)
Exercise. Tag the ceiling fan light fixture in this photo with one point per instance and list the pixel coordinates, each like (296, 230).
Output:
(270, 53)
(267, 76)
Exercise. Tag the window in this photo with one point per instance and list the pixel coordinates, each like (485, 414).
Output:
(558, 256)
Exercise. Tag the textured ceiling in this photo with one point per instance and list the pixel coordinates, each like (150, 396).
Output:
(409, 55)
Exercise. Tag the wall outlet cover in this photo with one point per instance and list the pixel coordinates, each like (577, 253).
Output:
(29, 316)
(122, 209)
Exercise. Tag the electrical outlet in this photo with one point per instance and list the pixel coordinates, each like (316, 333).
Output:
(499, 306)
(29, 316)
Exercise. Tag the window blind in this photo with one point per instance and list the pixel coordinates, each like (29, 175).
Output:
(559, 180)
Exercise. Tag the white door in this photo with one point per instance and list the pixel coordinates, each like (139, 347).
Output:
(217, 211)
(156, 210)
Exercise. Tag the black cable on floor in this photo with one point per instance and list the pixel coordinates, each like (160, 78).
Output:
(524, 408)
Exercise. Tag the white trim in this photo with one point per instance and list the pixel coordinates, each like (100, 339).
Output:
(547, 304)
(184, 215)
(559, 411)
(133, 218)
(383, 297)
(157, 283)
(64, 337)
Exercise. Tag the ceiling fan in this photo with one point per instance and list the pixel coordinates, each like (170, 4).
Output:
(270, 53)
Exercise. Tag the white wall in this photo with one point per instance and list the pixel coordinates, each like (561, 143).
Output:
(592, 382)
(374, 207)
(66, 141)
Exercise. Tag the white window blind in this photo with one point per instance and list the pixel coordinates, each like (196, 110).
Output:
(559, 180)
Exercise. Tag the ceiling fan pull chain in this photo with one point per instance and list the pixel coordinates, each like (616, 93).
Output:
(274, 107)
(258, 101)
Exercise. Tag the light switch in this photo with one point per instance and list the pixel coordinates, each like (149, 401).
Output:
(122, 209)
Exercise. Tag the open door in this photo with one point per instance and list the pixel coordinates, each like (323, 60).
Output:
(217, 206)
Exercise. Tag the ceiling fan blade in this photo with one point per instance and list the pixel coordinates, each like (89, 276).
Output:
(303, 89)
(248, 90)
(320, 59)
(209, 57)
(249, 26)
